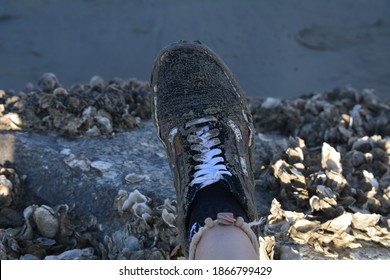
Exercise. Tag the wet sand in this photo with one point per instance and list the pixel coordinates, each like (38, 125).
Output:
(278, 48)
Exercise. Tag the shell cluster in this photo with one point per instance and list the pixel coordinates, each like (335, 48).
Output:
(336, 117)
(44, 232)
(11, 186)
(93, 109)
(152, 229)
(37, 231)
(323, 160)
(332, 180)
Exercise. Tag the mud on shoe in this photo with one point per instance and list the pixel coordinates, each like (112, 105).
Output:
(203, 121)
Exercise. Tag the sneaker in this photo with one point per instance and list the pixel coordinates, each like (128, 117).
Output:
(203, 121)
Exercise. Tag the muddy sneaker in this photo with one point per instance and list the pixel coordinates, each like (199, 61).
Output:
(203, 121)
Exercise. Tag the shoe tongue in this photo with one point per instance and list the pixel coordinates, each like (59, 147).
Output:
(233, 185)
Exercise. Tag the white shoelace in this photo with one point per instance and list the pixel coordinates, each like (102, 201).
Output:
(211, 167)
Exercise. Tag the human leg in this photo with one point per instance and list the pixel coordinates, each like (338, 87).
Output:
(204, 123)
(225, 242)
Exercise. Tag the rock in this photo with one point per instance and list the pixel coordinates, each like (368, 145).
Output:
(354, 158)
(10, 218)
(362, 145)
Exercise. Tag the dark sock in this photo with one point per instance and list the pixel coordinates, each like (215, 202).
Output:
(208, 202)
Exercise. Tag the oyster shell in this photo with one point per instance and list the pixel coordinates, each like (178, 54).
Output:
(81, 162)
(289, 253)
(46, 220)
(48, 82)
(101, 166)
(96, 83)
(338, 224)
(266, 249)
(168, 218)
(363, 221)
(6, 193)
(133, 178)
(331, 159)
(136, 203)
(74, 254)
